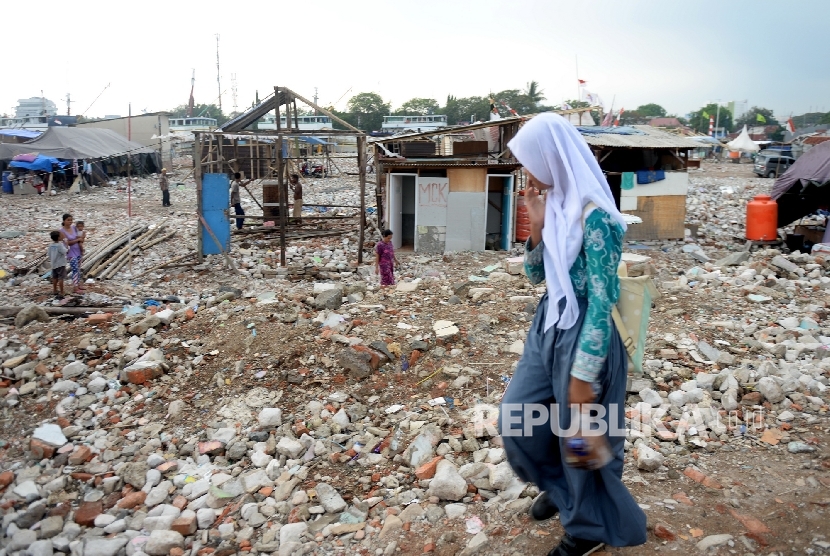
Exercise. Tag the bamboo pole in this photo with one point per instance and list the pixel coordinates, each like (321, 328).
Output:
(171, 262)
(218, 243)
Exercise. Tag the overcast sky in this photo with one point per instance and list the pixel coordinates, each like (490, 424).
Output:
(678, 54)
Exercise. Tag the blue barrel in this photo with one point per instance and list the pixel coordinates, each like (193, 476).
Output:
(7, 184)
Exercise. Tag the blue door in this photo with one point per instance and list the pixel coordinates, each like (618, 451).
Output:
(215, 203)
(507, 213)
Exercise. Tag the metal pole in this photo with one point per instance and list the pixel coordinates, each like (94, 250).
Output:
(161, 147)
(717, 118)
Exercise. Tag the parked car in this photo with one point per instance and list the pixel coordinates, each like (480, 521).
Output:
(772, 166)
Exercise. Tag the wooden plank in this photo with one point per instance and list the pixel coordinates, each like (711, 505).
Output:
(467, 180)
(361, 165)
(663, 217)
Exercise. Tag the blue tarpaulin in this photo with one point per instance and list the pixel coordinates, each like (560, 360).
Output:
(25, 133)
(600, 130)
(315, 141)
(42, 163)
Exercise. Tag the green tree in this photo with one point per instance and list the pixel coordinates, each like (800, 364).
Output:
(366, 111)
(418, 106)
(651, 110)
(825, 119)
(200, 110)
(534, 93)
(700, 122)
(750, 118)
(462, 109)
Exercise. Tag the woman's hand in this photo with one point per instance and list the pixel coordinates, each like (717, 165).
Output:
(580, 392)
(536, 213)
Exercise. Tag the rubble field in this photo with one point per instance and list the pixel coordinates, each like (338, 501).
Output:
(305, 410)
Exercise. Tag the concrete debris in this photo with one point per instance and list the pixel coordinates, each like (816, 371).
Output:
(305, 410)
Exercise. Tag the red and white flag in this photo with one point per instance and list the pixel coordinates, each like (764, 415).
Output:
(619, 117)
(582, 82)
(790, 125)
(608, 119)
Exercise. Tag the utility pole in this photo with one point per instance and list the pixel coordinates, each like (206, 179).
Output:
(68, 108)
(218, 82)
(315, 100)
(717, 117)
(233, 90)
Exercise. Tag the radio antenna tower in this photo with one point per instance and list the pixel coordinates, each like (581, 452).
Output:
(218, 82)
(233, 90)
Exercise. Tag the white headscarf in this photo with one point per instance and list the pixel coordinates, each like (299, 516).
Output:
(552, 149)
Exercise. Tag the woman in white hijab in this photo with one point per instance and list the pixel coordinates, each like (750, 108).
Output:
(573, 354)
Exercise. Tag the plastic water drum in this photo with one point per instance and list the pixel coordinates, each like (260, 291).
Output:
(7, 184)
(762, 219)
(522, 219)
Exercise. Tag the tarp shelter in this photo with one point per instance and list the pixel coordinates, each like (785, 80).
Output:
(802, 189)
(74, 143)
(743, 142)
(40, 163)
(21, 133)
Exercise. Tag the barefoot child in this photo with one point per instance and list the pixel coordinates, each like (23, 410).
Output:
(57, 259)
(385, 259)
(79, 226)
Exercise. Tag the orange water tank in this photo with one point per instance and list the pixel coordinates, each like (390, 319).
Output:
(522, 219)
(762, 219)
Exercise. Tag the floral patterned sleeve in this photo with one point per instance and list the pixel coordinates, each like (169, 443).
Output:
(535, 263)
(602, 243)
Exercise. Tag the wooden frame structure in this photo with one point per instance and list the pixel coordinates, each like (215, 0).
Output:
(259, 155)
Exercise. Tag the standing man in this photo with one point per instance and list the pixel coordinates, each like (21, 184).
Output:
(297, 188)
(87, 174)
(165, 192)
(236, 200)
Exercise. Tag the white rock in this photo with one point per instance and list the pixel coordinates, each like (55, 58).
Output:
(270, 417)
(330, 498)
(96, 385)
(341, 418)
(517, 347)
(104, 519)
(260, 459)
(76, 368)
(103, 547)
(455, 511)
(648, 459)
(292, 532)
(50, 434)
(205, 517)
(651, 397)
(770, 389)
(447, 483)
(26, 489)
(501, 476)
(289, 447)
(713, 540)
(161, 542)
(175, 408)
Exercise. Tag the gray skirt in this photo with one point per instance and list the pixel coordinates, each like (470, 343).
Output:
(593, 505)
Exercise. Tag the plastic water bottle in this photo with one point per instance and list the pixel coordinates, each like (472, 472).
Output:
(587, 452)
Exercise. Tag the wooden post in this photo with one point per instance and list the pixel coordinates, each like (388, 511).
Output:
(197, 175)
(361, 171)
(280, 172)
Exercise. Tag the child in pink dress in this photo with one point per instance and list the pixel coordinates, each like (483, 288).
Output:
(385, 259)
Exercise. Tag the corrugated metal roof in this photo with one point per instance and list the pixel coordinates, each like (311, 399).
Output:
(651, 139)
